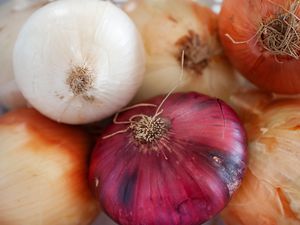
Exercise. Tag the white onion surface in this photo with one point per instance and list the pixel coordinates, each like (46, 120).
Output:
(78, 61)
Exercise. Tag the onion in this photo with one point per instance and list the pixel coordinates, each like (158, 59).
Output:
(85, 58)
(13, 15)
(43, 167)
(170, 26)
(177, 163)
(261, 39)
(270, 192)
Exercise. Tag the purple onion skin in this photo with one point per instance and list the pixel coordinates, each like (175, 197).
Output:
(185, 177)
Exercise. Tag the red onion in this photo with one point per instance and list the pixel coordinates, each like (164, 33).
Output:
(178, 167)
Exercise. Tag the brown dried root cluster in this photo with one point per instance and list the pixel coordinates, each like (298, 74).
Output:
(281, 35)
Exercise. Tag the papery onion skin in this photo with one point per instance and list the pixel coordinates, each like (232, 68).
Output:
(85, 58)
(43, 170)
(270, 191)
(170, 26)
(241, 20)
(184, 177)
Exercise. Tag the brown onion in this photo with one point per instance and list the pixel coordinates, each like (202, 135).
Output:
(270, 192)
(262, 40)
(175, 164)
(43, 170)
(170, 26)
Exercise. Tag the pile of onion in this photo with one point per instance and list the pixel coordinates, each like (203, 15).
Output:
(174, 160)
(169, 27)
(43, 167)
(262, 40)
(270, 192)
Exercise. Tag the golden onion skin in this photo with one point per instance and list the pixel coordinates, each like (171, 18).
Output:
(170, 26)
(270, 192)
(43, 172)
(244, 36)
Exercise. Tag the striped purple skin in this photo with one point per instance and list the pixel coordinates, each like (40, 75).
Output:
(185, 178)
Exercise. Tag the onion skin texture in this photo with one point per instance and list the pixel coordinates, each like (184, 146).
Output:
(13, 14)
(242, 19)
(95, 52)
(185, 177)
(11, 22)
(169, 26)
(43, 167)
(270, 191)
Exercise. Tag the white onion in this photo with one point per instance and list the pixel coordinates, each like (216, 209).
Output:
(13, 14)
(79, 61)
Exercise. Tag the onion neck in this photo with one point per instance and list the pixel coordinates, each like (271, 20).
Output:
(196, 54)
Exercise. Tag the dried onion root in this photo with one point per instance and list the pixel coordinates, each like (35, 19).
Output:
(262, 40)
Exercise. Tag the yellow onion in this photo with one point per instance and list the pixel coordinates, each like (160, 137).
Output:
(170, 26)
(270, 192)
(261, 39)
(13, 15)
(43, 169)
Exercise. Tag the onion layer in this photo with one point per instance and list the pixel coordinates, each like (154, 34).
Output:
(179, 166)
(43, 170)
(170, 26)
(270, 192)
(261, 39)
